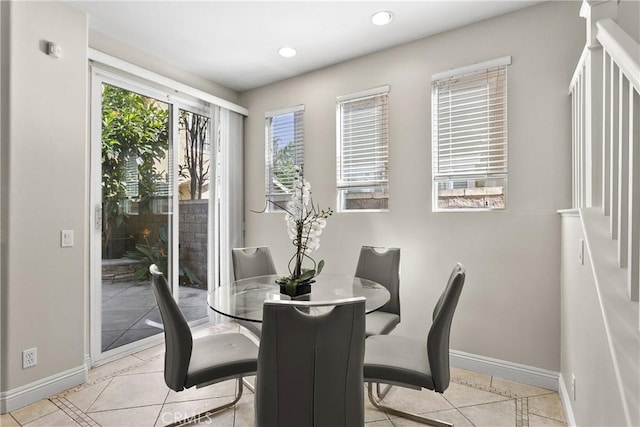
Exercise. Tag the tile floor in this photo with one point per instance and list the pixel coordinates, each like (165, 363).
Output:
(127, 305)
(131, 392)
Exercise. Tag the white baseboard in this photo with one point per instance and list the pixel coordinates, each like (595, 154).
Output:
(565, 397)
(508, 370)
(41, 389)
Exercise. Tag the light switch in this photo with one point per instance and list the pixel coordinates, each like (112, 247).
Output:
(54, 50)
(66, 238)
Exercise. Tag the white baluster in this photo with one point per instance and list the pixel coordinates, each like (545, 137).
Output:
(574, 147)
(581, 139)
(606, 133)
(613, 136)
(593, 126)
(623, 172)
(634, 194)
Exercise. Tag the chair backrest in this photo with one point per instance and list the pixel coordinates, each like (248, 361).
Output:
(382, 265)
(438, 338)
(310, 365)
(177, 335)
(252, 262)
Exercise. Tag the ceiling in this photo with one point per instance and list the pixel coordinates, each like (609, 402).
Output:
(235, 43)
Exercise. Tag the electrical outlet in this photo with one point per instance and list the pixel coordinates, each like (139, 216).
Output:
(29, 357)
(573, 386)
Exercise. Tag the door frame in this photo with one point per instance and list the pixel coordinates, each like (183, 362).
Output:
(100, 75)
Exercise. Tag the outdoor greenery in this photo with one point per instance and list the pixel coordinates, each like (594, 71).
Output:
(158, 253)
(284, 171)
(134, 130)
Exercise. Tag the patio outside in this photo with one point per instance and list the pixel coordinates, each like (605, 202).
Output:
(128, 304)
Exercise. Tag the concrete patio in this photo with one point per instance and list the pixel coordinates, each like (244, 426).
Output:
(127, 304)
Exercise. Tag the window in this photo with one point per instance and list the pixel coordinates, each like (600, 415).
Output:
(363, 151)
(284, 131)
(470, 137)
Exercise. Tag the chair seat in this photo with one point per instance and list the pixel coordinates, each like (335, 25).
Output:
(221, 356)
(381, 323)
(398, 360)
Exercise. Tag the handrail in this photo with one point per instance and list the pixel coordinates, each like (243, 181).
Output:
(579, 67)
(622, 48)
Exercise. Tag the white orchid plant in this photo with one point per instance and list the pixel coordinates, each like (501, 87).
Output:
(305, 222)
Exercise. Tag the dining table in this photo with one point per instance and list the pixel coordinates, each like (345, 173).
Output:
(244, 299)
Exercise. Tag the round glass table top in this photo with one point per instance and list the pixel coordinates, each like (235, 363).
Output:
(243, 299)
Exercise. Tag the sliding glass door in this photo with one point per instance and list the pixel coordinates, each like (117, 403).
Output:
(196, 192)
(152, 161)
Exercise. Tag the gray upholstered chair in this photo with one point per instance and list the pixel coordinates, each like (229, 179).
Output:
(252, 262)
(412, 363)
(310, 364)
(382, 265)
(202, 361)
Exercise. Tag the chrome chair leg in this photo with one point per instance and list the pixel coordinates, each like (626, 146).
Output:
(382, 393)
(248, 385)
(417, 418)
(206, 414)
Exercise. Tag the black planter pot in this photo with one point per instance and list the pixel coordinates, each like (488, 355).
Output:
(301, 289)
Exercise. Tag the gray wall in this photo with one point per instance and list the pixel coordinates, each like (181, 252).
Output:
(629, 17)
(510, 307)
(44, 190)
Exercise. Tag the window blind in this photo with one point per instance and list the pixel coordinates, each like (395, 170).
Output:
(470, 125)
(363, 141)
(131, 175)
(285, 149)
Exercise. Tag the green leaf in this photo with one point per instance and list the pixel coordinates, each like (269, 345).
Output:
(134, 255)
(191, 277)
(141, 273)
(163, 233)
(146, 251)
(290, 288)
(320, 267)
(309, 274)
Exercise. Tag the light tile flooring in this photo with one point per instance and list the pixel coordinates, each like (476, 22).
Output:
(131, 392)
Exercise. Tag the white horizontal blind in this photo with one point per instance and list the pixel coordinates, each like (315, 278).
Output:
(131, 175)
(285, 149)
(363, 142)
(470, 125)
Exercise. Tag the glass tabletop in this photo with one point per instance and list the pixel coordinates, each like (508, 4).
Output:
(243, 299)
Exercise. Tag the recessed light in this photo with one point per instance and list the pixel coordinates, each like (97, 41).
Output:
(287, 52)
(383, 17)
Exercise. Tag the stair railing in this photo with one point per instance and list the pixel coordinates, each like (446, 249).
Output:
(605, 91)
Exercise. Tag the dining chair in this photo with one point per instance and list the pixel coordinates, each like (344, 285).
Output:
(410, 362)
(252, 262)
(382, 265)
(310, 364)
(202, 361)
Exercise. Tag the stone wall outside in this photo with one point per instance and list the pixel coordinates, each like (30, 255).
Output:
(194, 216)
(193, 223)
(120, 270)
(472, 198)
